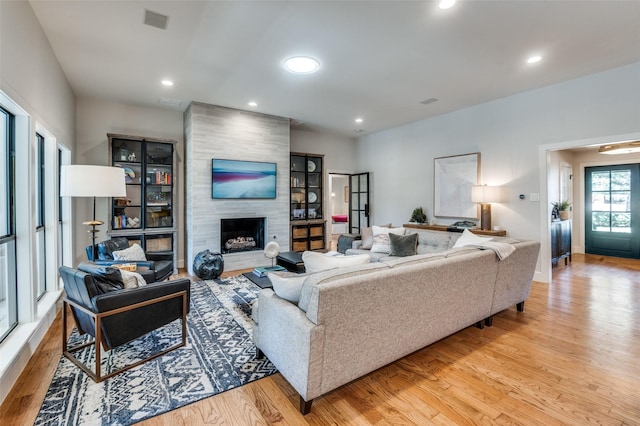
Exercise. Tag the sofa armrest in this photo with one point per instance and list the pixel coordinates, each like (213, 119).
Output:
(291, 342)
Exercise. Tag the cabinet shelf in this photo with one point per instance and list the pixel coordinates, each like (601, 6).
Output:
(306, 202)
(148, 216)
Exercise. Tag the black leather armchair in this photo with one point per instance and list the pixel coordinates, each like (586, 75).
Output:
(158, 266)
(115, 316)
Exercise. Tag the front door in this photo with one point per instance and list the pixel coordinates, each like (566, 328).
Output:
(358, 202)
(612, 210)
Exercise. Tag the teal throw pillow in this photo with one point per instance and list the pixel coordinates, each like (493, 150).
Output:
(403, 245)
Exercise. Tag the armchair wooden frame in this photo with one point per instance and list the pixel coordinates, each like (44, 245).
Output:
(97, 317)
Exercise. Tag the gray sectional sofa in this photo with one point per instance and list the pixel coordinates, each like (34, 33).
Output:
(352, 320)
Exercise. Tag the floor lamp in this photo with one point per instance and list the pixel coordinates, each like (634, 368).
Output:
(92, 181)
(485, 195)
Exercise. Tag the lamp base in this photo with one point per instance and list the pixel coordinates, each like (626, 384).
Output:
(92, 231)
(485, 216)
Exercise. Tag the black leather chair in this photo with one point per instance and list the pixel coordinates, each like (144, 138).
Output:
(157, 267)
(114, 316)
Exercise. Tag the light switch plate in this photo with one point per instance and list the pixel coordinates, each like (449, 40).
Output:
(534, 196)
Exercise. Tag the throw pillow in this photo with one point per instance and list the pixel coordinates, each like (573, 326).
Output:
(287, 287)
(381, 242)
(316, 262)
(367, 236)
(403, 245)
(132, 279)
(468, 238)
(132, 253)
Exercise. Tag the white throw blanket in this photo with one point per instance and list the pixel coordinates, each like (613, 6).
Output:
(502, 250)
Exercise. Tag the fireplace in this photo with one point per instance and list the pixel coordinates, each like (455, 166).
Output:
(244, 234)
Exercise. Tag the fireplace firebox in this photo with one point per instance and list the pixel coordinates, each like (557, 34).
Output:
(242, 234)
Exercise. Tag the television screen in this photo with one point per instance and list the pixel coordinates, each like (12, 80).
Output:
(243, 179)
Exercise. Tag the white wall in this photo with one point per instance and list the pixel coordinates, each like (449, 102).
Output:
(339, 151)
(508, 133)
(30, 77)
(96, 118)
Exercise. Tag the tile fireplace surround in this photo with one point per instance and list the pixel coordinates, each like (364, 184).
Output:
(217, 132)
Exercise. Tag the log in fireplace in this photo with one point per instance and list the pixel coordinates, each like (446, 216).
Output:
(242, 234)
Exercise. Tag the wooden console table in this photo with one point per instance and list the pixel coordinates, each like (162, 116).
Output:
(500, 233)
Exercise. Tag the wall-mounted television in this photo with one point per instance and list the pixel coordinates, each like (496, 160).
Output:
(242, 179)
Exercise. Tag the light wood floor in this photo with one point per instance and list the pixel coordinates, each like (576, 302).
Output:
(570, 358)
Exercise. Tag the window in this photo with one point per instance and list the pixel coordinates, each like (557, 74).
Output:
(41, 255)
(8, 279)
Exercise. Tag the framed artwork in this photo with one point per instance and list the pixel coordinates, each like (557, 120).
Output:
(453, 178)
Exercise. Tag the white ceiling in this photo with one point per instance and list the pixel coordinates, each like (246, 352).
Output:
(379, 59)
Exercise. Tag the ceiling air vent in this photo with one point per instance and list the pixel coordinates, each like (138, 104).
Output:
(154, 19)
(429, 101)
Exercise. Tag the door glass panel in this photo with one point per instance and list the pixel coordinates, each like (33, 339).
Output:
(363, 184)
(621, 222)
(600, 181)
(600, 221)
(600, 201)
(620, 201)
(621, 180)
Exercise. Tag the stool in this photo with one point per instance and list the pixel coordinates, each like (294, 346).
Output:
(345, 241)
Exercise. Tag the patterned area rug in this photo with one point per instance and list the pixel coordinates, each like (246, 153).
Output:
(219, 356)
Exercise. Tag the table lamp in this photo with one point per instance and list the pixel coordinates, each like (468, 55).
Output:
(485, 195)
(92, 181)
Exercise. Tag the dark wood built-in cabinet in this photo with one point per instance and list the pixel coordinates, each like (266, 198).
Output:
(306, 202)
(560, 241)
(147, 215)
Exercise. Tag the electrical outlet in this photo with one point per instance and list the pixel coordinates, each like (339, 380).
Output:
(534, 196)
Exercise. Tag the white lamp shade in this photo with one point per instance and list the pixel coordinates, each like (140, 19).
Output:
(92, 181)
(485, 194)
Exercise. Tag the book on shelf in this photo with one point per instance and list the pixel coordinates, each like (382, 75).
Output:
(262, 270)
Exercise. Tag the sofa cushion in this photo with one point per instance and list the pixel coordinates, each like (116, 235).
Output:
(403, 245)
(323, 277)
(431, 241)
(287, 286)
(367, 236)
(132, 253)
(375, 257)
(317, 262)
(381, 238)
(468, 238)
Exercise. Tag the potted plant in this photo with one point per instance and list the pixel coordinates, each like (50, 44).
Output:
(563, 208)
(418, 215)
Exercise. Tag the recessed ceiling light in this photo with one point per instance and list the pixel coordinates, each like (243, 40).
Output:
(301, 65)
(253, 104)
(534, 59)
(167, 83)
(446, 4)
(358, 120)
